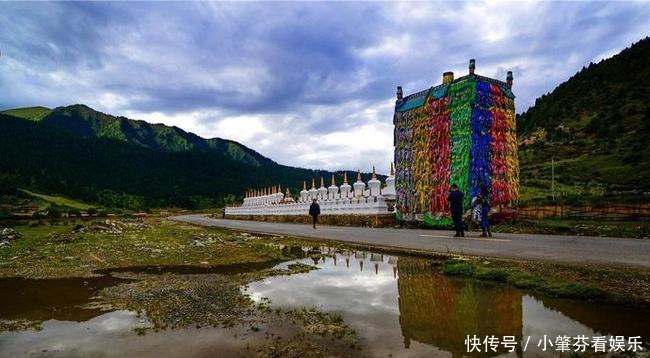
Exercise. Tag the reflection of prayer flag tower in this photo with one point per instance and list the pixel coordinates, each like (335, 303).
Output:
(460, 132)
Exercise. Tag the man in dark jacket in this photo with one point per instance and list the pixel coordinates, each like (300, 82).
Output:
(456, 207)
(314, 211)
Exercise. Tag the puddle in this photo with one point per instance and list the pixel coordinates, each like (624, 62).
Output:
(111, 335)
(59, 299)
(400, 307)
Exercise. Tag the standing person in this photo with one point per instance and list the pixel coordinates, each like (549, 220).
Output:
(314, 211)
(485, 211)
(456, 206)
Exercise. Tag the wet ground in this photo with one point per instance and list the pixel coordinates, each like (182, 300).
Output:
(399, 306)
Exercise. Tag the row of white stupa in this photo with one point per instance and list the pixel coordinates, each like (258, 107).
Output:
(355, 199)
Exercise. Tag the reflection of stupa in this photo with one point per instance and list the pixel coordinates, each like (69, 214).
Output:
(441, 311)
(293, 251)
(392, 260)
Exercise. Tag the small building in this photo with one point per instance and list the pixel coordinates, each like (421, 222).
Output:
(460, 132)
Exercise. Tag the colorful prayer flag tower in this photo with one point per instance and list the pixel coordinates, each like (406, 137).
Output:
(460, 132)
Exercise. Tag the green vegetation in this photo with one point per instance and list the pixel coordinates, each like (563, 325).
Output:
(31, 113)
(567, 289)
(60, 201)
(115, 162)
(557, 280)
(554, 226)
(64, 250)
(596, 126)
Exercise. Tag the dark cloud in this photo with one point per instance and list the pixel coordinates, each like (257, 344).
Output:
(302, 69)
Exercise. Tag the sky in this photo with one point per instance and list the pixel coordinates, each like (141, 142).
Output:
(308, 84)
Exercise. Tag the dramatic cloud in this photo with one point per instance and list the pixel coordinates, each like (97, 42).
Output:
(307, 84)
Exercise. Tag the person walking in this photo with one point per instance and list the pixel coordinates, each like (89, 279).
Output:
(314, 211)
(484, 200)
(455, 199)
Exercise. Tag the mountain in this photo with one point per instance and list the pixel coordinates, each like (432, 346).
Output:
(83, 154)
(87, 122)
(595, 127)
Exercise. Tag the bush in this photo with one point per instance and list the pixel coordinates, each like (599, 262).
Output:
(495, 274)
(574, 290)
(458, 268)
(526, 280)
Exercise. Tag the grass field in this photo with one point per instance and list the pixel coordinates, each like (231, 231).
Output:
(31, 113)
(59, 200)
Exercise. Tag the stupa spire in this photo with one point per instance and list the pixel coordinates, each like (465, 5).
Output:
(322, 182)
(358, 174)
(304, 185)
(313, 183)
(374, 175)
(333, 182)
(392, 169)
(345, 177)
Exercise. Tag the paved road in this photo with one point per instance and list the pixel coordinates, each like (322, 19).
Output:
(570, 249)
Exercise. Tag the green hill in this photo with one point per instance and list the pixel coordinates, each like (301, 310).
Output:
(87, 122)
(121, 163)
(31, 113)
(596, 127)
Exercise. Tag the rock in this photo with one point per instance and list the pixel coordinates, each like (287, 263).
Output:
(4, 243)
(78, 229)
(8, 234)
(197, 242)
(108, 227)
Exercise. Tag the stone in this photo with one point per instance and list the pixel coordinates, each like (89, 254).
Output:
(9, 234)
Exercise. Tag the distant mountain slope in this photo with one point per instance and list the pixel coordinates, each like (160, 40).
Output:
(117, 162)
(85, 121)
(31, 113)
(596, 126)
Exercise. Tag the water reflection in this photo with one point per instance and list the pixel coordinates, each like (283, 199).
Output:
(111, 335)
(61, 299)
(441, 311)
(401, 306)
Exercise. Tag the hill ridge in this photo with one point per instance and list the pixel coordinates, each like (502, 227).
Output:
(595, 127)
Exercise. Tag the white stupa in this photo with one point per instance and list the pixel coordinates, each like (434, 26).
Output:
(333, 190)
(359, 186)
(345, 188)
(304, 194)
(374, 184)
(313, 193)
(322, 190)
(389, 190)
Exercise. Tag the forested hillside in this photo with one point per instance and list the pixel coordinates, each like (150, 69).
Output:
(596, 127)
(117, 162)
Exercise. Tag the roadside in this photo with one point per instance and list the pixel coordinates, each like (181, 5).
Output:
(584, 250)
